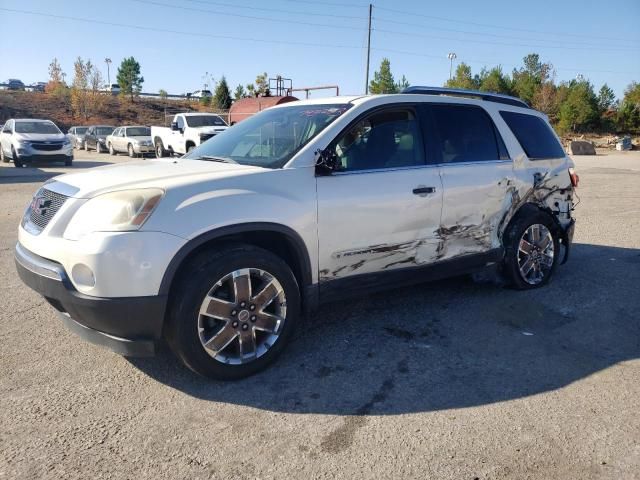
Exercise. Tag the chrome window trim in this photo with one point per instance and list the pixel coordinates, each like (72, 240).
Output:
(379, 170)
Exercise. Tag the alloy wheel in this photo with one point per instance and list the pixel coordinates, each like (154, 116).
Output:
(242, 316)
(536, 254)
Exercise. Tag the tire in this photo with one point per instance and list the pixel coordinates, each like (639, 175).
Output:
(98, 147)
(160, 151)
(83, 146)
(16, 161)
(68, 163)
(3, 157)
(190, 147)
(188, 330)
(111, 150)
(532, 250)
(132, 154)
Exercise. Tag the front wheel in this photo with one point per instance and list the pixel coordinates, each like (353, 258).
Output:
(3, 157)
(111, 150)
(234, 311)
(98, 147)
(532, 251)
(160, 151)
(132, 154)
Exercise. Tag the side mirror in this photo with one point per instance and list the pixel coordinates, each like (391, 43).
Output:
(327, 161)
(174, 126)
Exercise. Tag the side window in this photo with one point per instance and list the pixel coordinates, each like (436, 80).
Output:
(534, 134)
(120, 132)
(387, 139)
(180, 122)
(7, 127)
(465, 134)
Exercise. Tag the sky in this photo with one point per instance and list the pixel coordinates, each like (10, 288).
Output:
(181, 44)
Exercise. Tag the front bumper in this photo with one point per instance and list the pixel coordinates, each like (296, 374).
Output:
(127, 325)
(26, 153)
(142, 149)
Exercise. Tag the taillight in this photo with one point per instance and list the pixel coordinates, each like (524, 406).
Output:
(575, 179)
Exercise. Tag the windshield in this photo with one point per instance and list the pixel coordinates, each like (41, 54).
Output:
(138, 132)
(204, 121)
(81, 130)
(104, 130)
(36, 127)
(271, 138)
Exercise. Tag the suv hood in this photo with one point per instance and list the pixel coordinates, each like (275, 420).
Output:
(161, 173)
(40, 137)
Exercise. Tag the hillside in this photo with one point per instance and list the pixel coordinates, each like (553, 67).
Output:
(113, 111)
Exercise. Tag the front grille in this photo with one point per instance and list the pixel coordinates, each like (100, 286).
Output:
(46, 147)
(44, 206)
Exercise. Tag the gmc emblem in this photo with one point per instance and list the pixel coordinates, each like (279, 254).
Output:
(40, 205)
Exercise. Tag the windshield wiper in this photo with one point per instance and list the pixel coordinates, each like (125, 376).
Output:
(210, 158)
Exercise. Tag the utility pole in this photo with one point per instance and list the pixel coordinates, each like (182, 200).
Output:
(366, 86)
(452, 56)
(108, 62)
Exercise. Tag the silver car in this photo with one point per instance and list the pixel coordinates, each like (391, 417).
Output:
(76, 135)
(28, 140)
(134, 140)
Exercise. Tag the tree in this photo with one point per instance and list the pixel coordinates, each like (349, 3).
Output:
(580, 110)
(383, 81)
(222, 95)
(628, 118)
(606, 98)
(493, 81)
(529, 78)
(462, 78)
(163, 94)
(56, 78)
(80, 101)
(239, 93)
(129, 77)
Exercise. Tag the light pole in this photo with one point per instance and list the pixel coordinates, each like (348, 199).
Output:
(452, 56)
(108, 62)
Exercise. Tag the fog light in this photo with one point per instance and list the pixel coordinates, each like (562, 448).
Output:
(83, 275)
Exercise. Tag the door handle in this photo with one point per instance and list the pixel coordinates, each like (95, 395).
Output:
(424, 190)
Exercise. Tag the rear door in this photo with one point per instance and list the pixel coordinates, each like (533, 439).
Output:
(477, 176)
(381, 210)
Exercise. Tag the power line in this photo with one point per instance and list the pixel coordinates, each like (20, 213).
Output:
(495, 35)
(500, 27)
(331, 4)
(489, 42)
(176, 32)
(258, 40)
(275, 10)
(239, 15)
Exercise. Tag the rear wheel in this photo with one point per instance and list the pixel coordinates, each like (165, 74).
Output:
(234, 311)
(532, 250)
(160, 151)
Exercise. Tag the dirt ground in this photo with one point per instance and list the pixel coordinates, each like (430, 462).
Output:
(444, 380)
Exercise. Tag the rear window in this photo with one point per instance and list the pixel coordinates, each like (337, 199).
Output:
(534, 134)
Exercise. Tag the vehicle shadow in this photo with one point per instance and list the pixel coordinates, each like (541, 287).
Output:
(443, 345)
(35, 173)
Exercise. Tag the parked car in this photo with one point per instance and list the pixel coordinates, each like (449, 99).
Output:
(220, 252)
(36, 87)
(76, 135)
(96, 137)
(28, 140)
(15, 84)
(187, 131)
(201, 94)
(134, 140)
(113, 89)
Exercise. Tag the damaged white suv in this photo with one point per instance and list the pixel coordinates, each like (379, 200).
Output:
(222, 251)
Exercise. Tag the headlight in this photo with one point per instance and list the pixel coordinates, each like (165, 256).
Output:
(22, 143)
(101, 140)
(114, 212)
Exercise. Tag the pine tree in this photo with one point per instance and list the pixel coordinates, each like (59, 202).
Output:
(222, 95)
(129, 77)
(383, 81)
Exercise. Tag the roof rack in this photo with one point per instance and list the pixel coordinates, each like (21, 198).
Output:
(461, 92)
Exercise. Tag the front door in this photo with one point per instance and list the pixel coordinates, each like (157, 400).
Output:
(381, 209)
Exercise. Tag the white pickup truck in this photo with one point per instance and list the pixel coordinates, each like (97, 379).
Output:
(187, 131)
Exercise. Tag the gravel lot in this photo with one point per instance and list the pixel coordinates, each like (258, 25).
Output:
(452, 379)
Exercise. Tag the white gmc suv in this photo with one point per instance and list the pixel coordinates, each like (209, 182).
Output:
(222, 251)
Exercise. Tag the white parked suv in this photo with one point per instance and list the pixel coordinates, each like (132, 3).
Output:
(27, 140)
(222, 251)
(187, 131)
